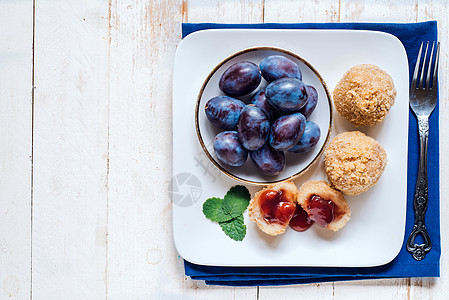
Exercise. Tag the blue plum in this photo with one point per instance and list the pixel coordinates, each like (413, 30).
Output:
(229, 149)
(240, 79)
(286, 131)
(309, 139)
(260, 100)
(276, 66)
(312, 100)
(269, 161)
(253, 127)
(287, 94)
(223, 112)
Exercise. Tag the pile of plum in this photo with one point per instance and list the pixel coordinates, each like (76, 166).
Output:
(273, 122)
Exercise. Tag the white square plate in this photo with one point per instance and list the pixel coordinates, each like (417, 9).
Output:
(375, 233)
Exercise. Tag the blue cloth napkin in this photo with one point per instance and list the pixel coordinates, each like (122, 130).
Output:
(403, 265)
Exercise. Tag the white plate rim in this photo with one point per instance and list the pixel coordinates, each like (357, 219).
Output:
(298, 30)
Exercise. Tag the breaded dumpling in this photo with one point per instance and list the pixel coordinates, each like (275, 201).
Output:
(273, 207)
(364, 95)
(354, 162)
(324, 205)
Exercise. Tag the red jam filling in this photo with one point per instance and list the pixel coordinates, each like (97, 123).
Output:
(322, 211)
(276, 207)
(300, 220)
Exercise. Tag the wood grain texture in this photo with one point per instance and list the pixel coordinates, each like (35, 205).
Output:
(102, 146)
(16, 41)
(286, 11)
(225, 11)
(142, 260)
(70, 150)
(379, 11)
(291, 11)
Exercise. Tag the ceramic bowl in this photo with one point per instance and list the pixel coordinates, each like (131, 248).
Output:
(296, 164)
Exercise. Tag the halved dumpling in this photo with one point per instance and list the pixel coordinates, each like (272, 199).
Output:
(273, 207)
(324, 205)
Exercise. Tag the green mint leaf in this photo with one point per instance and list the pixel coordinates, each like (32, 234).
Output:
(234, 228)
(236, 201)
(213, 210)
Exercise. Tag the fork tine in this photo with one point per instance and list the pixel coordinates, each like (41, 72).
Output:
(415, 73)
(420, 84)
(435, 68)
(429, 69)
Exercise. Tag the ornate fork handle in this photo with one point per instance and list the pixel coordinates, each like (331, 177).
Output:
(421, 198)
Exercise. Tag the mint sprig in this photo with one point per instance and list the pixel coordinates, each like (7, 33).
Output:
(228, 212)
(236, 200)
(234, 228)
(212, 209)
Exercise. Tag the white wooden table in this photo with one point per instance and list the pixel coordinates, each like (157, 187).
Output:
(85, 151)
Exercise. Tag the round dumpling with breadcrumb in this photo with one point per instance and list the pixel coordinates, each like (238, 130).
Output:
(354, 162)
(364, 95)
(273, 207)
(325, 206)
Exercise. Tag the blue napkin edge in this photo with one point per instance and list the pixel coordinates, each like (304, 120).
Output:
(433, 268)
(279, 282)
(292, 281)
(188, 28)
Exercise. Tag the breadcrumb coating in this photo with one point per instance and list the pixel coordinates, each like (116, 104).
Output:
(256, 215)
(364, 95)
(325, 191)
(354, 162)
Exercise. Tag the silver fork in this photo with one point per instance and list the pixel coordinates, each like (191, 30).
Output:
(423, 99)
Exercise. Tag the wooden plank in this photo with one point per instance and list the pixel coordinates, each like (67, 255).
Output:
(16, 42)
(70, 149)
(291, 11)
(299, 12)
(222, 11)
(379, 11)
(238, 11)
(342, 11)
(373, 289)
(436, 288)
(142, 260)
